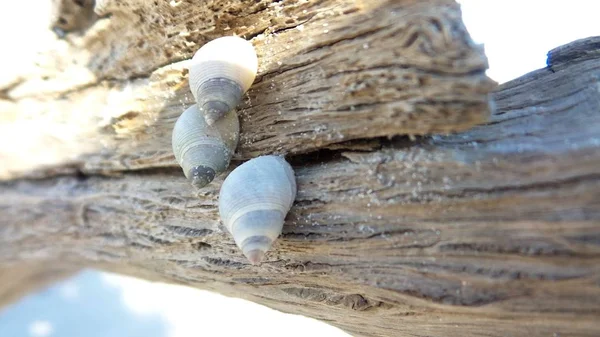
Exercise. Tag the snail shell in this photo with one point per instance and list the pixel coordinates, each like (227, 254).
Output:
(220, 73)
(254, 201)
(202, 150)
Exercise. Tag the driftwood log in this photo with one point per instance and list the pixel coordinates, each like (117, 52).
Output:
(492, 231)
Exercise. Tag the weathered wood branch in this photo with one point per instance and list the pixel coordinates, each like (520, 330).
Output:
(329, 72)
(493, 231)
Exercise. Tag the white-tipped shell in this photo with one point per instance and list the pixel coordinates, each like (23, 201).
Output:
(254, 201)
(202, 150)
(220, 73)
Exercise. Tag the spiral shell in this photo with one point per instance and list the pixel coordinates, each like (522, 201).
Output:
(202, 150)
(254, 201)
(220, 73)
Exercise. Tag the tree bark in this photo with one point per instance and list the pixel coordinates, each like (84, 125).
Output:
(492, 231)
(329, 72)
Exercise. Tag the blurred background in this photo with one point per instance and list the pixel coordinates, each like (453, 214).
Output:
(517, 35)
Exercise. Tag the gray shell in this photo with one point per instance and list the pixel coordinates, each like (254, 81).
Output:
(202, 150)
(254, 201)
(220, 73)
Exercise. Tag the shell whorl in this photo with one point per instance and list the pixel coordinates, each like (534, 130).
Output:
(220, 73)
(253, 202)
(204, 151)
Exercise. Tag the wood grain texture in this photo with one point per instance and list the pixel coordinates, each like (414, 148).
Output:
(106, 100)
(494, 231)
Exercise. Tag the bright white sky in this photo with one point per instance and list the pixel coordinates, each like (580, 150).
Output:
(187, 310)
(517, 34)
